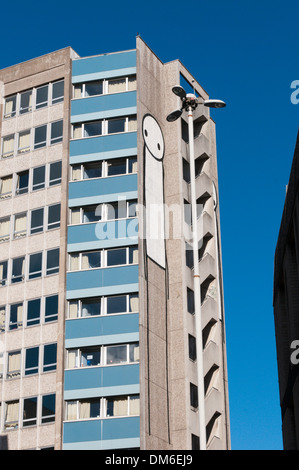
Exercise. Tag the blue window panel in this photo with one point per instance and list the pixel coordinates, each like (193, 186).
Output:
(103, 107)
(98, 381)
(103, 147)
(102, 235)
(104, 66)
(105, 281)
(106, 329)
(95, 191)
(100, 434)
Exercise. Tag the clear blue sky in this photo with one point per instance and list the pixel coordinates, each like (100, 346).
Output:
(246, 53)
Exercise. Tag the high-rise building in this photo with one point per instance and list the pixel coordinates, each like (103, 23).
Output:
(97, 329)
(286, 304)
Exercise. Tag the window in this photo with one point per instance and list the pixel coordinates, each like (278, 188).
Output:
(20, 225)
(116, 125)
(52, 261)
(35, 265)
(117, 304)
(11, 414)
(29, 411)
(92, 129)
(117, 167)
(89, 408)
(123, 406)
(55, 173)
(116, 354)
(94, 88)
(116, 85)
(24, 141)
(14, 364)
(3, 273)
(22, 182)
(50, 353)
(186, 171)
(2, 318)
(31, 360)
(193, 396)
(91, 170)
(38, 178)
(8, 146)
(16, 316)
(4, 229)
(57, 92)
(56, 132)
(10, 106)
(192, 348)
(116, 256)
(25, 102)
(18, 265)
(48, 408)
(42, 96)
(54, 216)
(51, 308)
(37, 221)
(40, 137)
(190, 301)
(33, 312)
(90, 357)
(91, 307)
(92, 213)
(6, 187)
(195, 442)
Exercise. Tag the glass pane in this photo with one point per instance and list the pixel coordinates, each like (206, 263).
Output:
(40, 137)
(93, 129)
(31, 363)
(132, 83)
(91, 307)
(55, 173)
(93, 88)
(18, 270)
(117, 167)
(132, 164)
(35, 266)
(50, 352)
(91, 260)
(10, 106)
(22, 182)
(42, 96)
(117, 304)
(54, 216)
(56, 132)
(8, 146)
(90, 357)
(117, 210)
(116, 354)
(92, 170)
(38, 178)
(29, 411)
(24, 142)
(3, 273)
(53, 261)
(57, 92)
(92, 214)
(51, 308)
(116, 256)
(26, 102)
(117, 85)
(116, 125)
(134, 352)
(33, 312)
(16, 316)
(37, 221)
(48, 408)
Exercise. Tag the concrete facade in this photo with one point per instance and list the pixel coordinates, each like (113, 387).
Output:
(162, 378)
(286, 302)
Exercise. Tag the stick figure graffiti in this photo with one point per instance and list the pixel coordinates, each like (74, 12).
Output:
(154, 190)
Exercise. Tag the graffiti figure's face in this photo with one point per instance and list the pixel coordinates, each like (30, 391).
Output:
(153, 137)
